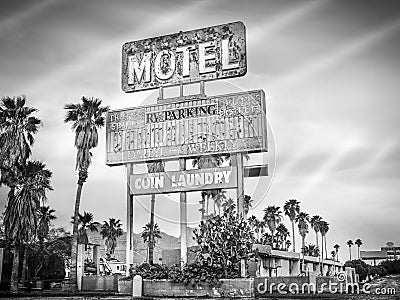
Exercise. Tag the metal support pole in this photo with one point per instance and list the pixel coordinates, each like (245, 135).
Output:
(181, 90)
(160, 92)
(183, 218)
(240, 181)
(129, 218)
(202, 88)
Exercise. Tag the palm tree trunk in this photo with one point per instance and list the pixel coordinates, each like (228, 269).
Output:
(302, 250)
(326, 251)
(14, 272)
(74, 250)
(358, 252)
(294, 243)
(25, 265)
(151, 238)
(322, 255)
(350, 252)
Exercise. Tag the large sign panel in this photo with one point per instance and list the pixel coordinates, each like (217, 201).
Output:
(204, 54)
(227, 123)
(183, 181)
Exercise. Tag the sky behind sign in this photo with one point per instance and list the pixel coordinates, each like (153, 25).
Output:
(330, 70)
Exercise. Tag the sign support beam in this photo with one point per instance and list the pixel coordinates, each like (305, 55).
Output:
(129, 217)
(240, 183)
(183, 219)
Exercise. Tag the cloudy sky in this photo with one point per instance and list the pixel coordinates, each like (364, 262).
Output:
(329, 68)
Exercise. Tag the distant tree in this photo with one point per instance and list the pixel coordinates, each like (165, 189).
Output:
(85, 224)
(337, 246)
(247, 204)
(46, 215)
(324, 228)
(281, 234)
(292, 209)
(272, 218)
(311, 250)
(349, 243)
(358, 242)
(156, 166)
(303, 219)
(333, 254)
(150, 235)
(110, 231)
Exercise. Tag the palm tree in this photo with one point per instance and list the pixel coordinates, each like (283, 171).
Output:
(337, 251)
(282, 234)
(150, 235)
(110, 231)
(303, 219)
(324, 228)
(358, 242)
(350, 243)
(203, 162)
(21, 218)
(86, 118)
(156, 166)
(272, 217)
(292, 209)
(45, 215)
(17, 129)
(333, 254)
(315, 224)
(85, 224)
(247, 204)
(287, 245)
(219, 198)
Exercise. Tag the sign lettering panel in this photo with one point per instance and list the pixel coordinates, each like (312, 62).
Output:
(186, 57)
(228, 123)
(183, 181)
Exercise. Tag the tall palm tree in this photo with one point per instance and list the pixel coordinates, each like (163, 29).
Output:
(219, 198)
(349, 243)
(292, 209)
(337, 246)
(110, 231)
(86, 117)
(324, 228)
(45, 215)
(303, 219)
(21, 218)
(315, 224)
(272, 217)
(333, 254)
(150, 234)
(358, 242)
(153, 167)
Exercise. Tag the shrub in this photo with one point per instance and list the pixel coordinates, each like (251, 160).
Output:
(391, 266)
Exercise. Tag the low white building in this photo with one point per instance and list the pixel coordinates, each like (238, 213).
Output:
(286, 263)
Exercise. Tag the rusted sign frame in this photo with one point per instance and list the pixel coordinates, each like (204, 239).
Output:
(191, 141)
(204, 54)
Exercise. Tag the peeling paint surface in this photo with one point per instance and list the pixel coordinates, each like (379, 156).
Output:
(185, 57)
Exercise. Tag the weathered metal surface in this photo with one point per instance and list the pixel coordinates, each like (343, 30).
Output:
(183, 181)
(228, 123)
(204, 54)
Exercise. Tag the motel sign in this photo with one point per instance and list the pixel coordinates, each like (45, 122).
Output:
(186, 57)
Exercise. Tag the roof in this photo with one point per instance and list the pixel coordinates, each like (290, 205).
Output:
(376, 254)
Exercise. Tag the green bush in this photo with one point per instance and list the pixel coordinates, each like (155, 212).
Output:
(362, 269)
